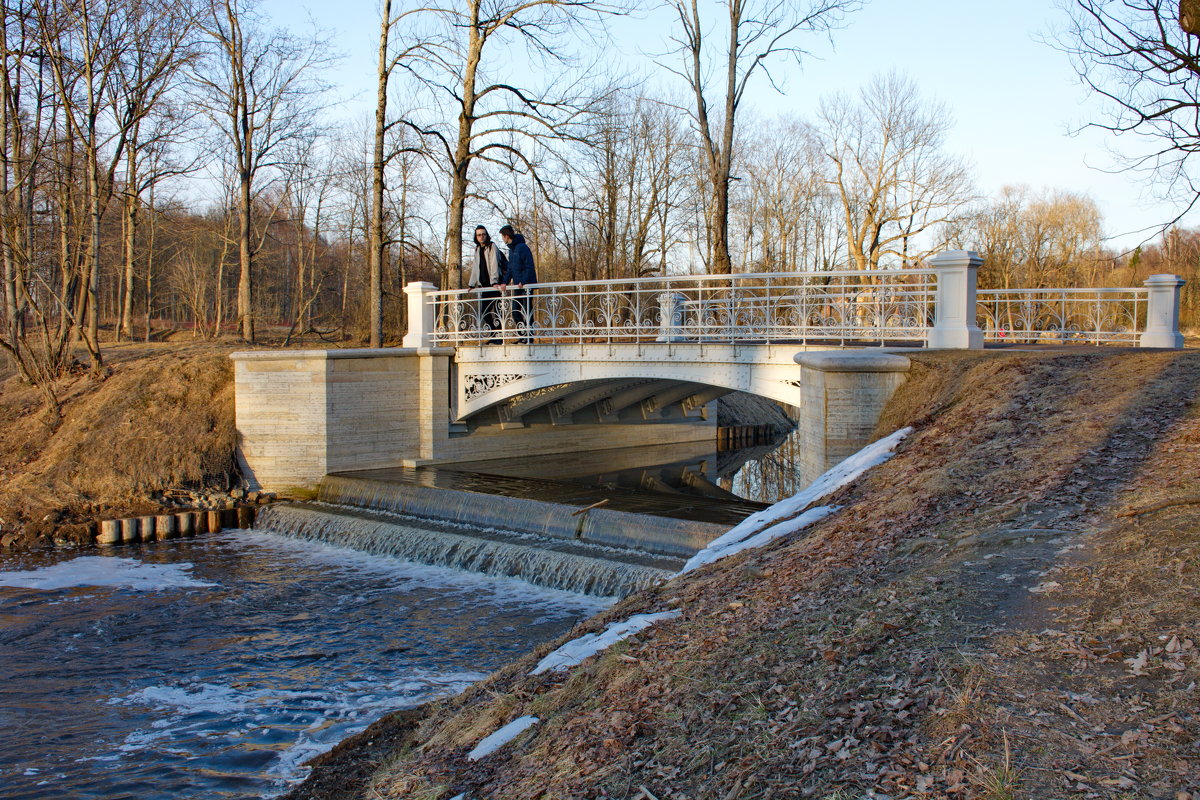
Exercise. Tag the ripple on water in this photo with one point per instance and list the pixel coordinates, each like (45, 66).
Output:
(216, 666)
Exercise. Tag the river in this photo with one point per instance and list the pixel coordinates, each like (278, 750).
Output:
(214, 667)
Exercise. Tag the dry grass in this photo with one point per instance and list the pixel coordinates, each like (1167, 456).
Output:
(897, 648)
(162, 416)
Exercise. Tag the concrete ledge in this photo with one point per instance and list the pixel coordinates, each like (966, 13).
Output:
(843, 361)
(329, 355)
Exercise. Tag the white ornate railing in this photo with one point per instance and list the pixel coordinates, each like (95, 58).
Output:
(940, 307)
(1062, 316)
(868, 307)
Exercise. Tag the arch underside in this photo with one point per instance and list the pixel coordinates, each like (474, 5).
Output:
(566, 384)
(606, 400)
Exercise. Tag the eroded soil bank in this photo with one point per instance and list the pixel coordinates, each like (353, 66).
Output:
(1006, 609)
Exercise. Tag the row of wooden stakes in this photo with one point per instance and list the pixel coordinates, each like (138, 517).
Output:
(182, 524)
(737, 437)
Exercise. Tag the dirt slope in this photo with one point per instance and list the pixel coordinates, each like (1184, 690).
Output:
(161, 416)
(1006, 609)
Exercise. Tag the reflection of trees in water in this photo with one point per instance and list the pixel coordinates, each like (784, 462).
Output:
(766, 474)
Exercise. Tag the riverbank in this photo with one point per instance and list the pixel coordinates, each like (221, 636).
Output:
(154, 433)
(1004, 609)
(160, 418)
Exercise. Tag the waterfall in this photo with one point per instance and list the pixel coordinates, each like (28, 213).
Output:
(545, 561)
(428, 494)
(548, 533)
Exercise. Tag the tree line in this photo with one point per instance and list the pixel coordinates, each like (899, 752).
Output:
(184, 165)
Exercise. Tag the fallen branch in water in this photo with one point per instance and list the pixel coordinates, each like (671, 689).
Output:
(603, 502)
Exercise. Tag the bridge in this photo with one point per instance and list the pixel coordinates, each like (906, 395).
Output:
(594, 365)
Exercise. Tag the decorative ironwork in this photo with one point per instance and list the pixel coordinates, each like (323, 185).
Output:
(476, 385)
(844, 307)
(1062, 316)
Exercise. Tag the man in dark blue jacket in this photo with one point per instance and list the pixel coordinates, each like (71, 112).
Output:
(521, 272)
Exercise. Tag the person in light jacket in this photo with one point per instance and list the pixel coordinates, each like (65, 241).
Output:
(521, 273)
(491, 268)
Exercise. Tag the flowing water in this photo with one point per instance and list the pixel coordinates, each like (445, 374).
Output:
(211, 668)
(214, 667)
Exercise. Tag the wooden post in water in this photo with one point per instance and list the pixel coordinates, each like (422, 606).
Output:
(129, 530)
(146, 525)
(245, 517)
(214, 521)
(164, 527)
(229, 518)
(110, 532)
(185, 523)
(200, 524)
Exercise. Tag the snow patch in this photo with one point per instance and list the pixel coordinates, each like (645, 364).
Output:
(775, 518)
(576, 650)
(124, 573)
(492, 743)
(709, 554)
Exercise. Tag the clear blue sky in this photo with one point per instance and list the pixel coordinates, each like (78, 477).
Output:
(1014, 98)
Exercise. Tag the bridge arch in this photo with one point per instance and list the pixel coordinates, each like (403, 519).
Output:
(615, 382)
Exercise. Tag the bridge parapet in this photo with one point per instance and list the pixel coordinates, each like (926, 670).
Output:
(938, 307)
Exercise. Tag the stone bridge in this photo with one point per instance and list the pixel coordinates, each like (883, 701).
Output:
(616, 364)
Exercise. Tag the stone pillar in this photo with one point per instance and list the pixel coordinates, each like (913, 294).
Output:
(954, 322)
(670, 323)
(1162, 312)
(420, 314)
(843, 393)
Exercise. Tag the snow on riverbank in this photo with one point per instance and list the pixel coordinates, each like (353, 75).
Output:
(492, 743)
(576, 650)
(771, 523)
(766, 526)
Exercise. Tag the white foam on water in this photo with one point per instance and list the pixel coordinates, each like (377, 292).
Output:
(409, 575)
(328, 715)
(123, 573)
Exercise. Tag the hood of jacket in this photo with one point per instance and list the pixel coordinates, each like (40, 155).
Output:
(518, 239)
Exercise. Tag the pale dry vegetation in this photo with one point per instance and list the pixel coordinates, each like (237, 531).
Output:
(161, 416)
(979, 621)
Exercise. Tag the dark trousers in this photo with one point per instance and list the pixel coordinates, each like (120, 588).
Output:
(489, 318)
(520, 310)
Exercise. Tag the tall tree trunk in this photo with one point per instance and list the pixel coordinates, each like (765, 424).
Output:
(461, 166)
(130, 229)
(150, 264)
(8, 225)
(245, 261)
(376, 243)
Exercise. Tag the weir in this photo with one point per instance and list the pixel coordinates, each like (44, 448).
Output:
(442, 518)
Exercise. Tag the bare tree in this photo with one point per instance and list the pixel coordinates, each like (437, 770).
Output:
(459, 53)
(895, 182)
(758, 32)
(1032, 239)
(795, 219)
(1137, 55)
(260, 89)
(145, 77)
